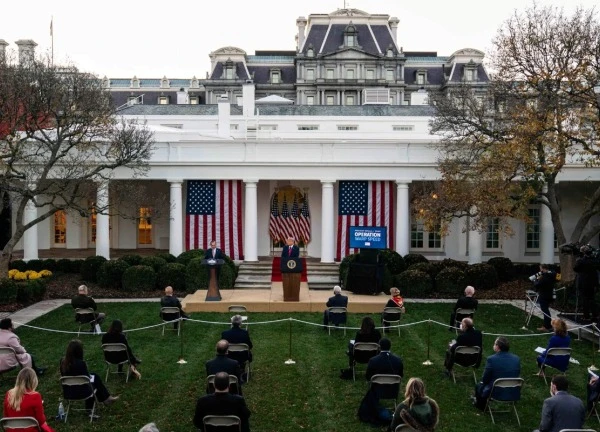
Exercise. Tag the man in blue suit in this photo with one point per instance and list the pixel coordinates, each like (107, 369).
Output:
(500, 365)
(290, 250)
(338, 300)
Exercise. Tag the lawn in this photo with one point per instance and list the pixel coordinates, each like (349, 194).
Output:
(308, 395)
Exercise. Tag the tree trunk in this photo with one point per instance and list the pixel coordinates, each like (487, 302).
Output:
(4, 261)
(566, 269)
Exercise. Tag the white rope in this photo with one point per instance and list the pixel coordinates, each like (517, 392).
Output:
(245, 323)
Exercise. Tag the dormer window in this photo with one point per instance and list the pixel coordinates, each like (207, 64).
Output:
(470, 71)
(275, 76)
(350, 36)
(310, 52)
(229, 70)
(194, 83)
(135, 82)
(164, 82)
(389, 53)
(421, 77)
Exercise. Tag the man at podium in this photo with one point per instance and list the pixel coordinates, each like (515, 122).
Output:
(214, 252)
(290, 250)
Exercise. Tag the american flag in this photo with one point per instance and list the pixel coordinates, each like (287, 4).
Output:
(274, 219)
(304, 221)
(286, 227)
(364, 203)
(214, 212)
(295, 218)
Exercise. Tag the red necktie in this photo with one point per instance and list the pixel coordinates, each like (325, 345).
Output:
(289, 251)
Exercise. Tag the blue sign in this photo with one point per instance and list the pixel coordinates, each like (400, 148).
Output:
(368, 237)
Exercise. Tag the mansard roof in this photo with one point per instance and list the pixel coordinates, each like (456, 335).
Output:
(240, 70)
(262, 74)
(435, 75)
(458, 73)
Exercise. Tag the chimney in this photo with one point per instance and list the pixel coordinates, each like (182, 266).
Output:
(301, 23)
(182, 97)
(3, 45)
(26, 50)
(248, 98)
(393, 21)
(224, 117)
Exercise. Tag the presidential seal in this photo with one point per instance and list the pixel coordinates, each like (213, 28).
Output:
(291, 264)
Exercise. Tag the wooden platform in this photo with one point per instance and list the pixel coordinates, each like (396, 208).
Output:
(262, 300)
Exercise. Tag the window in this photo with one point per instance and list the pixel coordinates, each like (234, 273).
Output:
(492, 235)
(144, 227)
(350, 100)
(330, 73)
(390, 52)
(347, 127)
(310, 100)
(389, 74)
(533, 229)
(330, 100)
(422, 239)
(133, 100)
(268, 127)
(308, 127)
(310, 74)
(470, 74)
(310, 52)
(60, 228)
(234, 126)
(421, 78)
(403, 128)
(92, 222)
(163, 100)
(275, 78)
(350, 40)
(349, 73)
(350, 35)
(370, 73)
(194, 100)
(229, 73)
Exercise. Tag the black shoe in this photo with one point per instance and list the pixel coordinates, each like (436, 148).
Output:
(447, 373)
(39, 371)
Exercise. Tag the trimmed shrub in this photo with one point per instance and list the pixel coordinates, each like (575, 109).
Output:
(482, 276)
(49, 264)
(132, 259)
(412, 258)
(414, 283)
(523, 271)
(172, 274)
(155, 262)
(448, 262)
(18, 265)
(185, 257)
(8, 291)
(387, 281)
(504, 268)
(393, 261)
(234, 270)
(226, 278)
(31, 291)
(196, 275)
(76, 266)
(432, 269)
(90, 267)
(63, 265)
(139, 278)
(169, 258)
(111, 272)
(35, 264)
(345, 267)
(450, 282)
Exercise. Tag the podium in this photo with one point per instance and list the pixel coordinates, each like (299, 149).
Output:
(291, 271)
(213, 266)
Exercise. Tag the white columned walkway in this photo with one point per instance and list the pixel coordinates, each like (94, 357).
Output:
(175, 218)
(402, 218)
(327, 217)
(30, 237)
(102, 221)
(546, 234)
(250, 221)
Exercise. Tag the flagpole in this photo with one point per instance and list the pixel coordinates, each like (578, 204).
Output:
(52, 40)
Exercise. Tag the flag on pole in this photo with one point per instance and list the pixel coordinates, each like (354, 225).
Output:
(52, 26)
(285, 225)
(364, 203)
(295, 218)
(304, 221)
(274, 219)
(214, 212)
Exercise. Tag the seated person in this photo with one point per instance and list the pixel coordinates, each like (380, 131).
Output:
(9, 339)
(465, 302)
(593, 390)
(83, 301)
(367, 333)
(236, 335)
(338, 300)
(222, 363)
(169, 300)
(221, 402)
(395, 301)
(469, 337)
(417, 410)
(560, 339)
(561, 411)
(115, 335)
(23, 401)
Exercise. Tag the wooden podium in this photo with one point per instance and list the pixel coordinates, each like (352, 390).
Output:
(213, 265)
(291, 272)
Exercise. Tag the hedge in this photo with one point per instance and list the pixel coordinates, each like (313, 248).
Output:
(90, 267)
(345, 267)
(8, 291)
(63, 265)
(185, 257)
(504, 268)
(393, 261)
(196, 275)
(49, 264)
(432, 269)
(448, 262)
(482, 276)
(111, 272)
(169, 258)
(413, 258)
(172, 274)
(76, 265)
(139, 278)
(414, 283)
(36, 265)
(31, 291)
(132, 259)
(450, 282)
(155, 262)
(18, 265)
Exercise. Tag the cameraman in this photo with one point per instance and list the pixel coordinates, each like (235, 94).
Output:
(544, 285)
(587, 281)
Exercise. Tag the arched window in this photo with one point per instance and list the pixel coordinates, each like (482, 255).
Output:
(350, 36)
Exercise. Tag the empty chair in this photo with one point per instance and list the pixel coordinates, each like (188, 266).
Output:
(234, 387)
(403, 428)
(240, 352)
(362, 353)
(466, 357)
(169, 314)
(222, 423)
(391, 315)
(504, 383)
(78, 388)
(116, 354)
(337, 316)
(386, 386)
(15, 424)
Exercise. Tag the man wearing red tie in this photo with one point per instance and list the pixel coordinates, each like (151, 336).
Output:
(291, 250)
(214, 252)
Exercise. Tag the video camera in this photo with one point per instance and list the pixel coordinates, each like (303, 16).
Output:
(575, 250)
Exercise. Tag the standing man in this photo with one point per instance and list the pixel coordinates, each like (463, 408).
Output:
(561, 410)
(84, 301)
(587, 281)
(465, 302)
(338, 300)
(544, 285)
(169, 300)
(213, 252)
(290, 250)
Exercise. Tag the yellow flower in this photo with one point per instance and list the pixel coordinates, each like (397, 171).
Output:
(20, 276)
(33, 275)
(12, 273)
(45, 273)
(28, 272)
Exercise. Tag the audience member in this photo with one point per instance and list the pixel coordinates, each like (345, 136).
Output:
(150, 427)
(417, 410)
(367, 333)
(586, 282)
(465, 302)
(593, 390)
(9, 339)
(72, 364)
(236, 335)
(169, 300)
(500, 365)
(338, 300)
(469, 337)
(84, 301)
(115, 335)
(561, 411)
(222, 363)
(544, 285)
(396, 302)
(560, 339)
(23, 401)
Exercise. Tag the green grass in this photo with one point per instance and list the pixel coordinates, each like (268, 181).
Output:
(307, 396)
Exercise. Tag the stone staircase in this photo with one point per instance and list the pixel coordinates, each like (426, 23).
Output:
(254, 275)
(323, 276)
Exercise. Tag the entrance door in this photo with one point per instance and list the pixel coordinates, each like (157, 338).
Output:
(60, 229)
(144, 228)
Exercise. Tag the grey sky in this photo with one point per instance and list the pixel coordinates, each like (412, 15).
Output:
(122, 38)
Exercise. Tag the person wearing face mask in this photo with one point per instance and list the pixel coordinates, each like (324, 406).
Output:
(561, 410)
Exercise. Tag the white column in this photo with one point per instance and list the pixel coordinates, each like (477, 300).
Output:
(30, 237)
(175, 218)
(402, 218)
(546, 234)
(102, 221)
(475, 243)
(327, 216)
(250, 221)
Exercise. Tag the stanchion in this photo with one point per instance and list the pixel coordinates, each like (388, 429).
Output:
(181, 359)
(289, 361)
(428, 362)
(593, 367)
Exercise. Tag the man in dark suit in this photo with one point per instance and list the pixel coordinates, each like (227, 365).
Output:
(465, 302)
(83, 301)
(222, 363)
(469, 337)
(500, 365)
(221, 402)
(169, 300)
(385, 362)
(213, 252)
(290, 250)
(236, 335)
(338, 300)
(561, 410)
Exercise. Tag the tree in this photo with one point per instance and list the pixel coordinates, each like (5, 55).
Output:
(504, 148)
(60, 136)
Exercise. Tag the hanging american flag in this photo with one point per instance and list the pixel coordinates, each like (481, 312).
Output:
(274, 219)
(286, 228)
(364, 203)
(304, 221)
(295, 218)
(214, 212)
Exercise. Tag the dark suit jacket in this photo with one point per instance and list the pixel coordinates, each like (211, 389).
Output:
(471, 337)
(116, 357)
(466, 303)
(562, 411)
(545, 285)
(221, 404)
(81, 301)
(385, 363)
(337, 300)
(587, 277)
(171, 301)
(79, 367)
(295, 251)
(218, 254)
(238, 335)
(222, 363)
(501, 365)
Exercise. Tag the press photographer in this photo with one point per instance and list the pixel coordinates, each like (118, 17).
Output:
(543, 282)
(586, 281)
